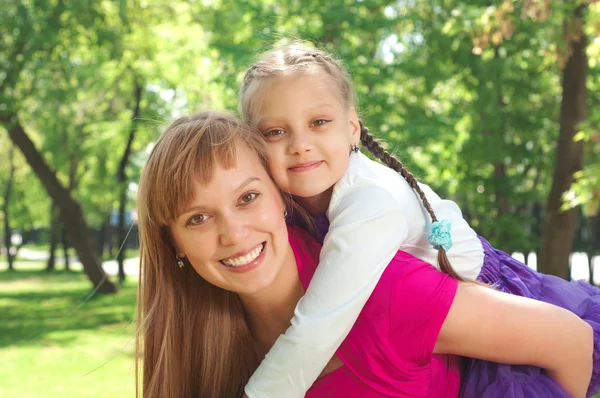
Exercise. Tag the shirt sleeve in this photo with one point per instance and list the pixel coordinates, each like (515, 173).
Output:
(367, 228)
(420, 303)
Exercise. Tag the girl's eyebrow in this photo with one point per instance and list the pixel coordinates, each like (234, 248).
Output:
(323, 105)
(313, 108)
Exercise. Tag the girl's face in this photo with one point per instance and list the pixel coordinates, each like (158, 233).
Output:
(233, 230)
(309, 132)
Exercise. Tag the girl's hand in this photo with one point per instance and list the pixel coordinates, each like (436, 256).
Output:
(494, 326)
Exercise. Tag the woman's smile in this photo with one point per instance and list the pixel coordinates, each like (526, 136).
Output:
(246, 261)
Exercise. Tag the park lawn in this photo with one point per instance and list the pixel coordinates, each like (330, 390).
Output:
(53, 344)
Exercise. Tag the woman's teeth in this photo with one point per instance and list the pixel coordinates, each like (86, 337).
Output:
(244, 260)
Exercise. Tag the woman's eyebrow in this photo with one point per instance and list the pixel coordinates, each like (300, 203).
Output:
(246, 182)
(239, 188)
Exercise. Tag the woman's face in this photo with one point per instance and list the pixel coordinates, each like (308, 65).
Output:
(233, 230)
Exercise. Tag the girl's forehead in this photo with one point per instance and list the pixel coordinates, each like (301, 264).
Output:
(297, 89)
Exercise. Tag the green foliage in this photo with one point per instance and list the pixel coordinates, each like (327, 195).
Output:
(466, 93)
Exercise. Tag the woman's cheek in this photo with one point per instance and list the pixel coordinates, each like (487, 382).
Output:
(271, 211)
(269, 216)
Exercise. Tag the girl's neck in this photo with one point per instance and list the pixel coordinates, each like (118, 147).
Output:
(316, 205)
(270, 310)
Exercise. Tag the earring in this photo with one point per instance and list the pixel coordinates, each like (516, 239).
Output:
(354, 148)
(179, 262)
(284, 213)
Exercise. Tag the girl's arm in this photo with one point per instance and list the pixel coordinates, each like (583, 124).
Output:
(366, 229)
(487, 324)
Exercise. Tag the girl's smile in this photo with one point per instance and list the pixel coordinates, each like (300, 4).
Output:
(308, 166)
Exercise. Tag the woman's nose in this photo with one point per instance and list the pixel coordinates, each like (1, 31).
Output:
(233, 231)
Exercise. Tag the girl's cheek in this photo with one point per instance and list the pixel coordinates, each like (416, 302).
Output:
(275, 165)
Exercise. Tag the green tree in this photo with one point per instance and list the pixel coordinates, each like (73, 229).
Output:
(35, 33)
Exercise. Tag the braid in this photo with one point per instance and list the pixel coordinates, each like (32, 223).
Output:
(386, 158)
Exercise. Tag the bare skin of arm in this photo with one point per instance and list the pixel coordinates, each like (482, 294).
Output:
(487, 324)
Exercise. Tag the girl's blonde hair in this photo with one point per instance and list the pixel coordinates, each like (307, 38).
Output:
(193, 339)
(297, 59)
(289, 61)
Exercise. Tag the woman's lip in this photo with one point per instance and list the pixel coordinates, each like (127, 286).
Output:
(242, 253)
(250, 266)
(300, 167)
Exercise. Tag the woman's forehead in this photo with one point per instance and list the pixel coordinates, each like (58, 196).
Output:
(227, 173)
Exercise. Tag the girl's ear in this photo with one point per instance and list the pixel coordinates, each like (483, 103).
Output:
(354, 126)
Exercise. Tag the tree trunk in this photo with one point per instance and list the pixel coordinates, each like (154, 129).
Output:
(104, 238)
(6, 210)
(54, 223)
(589, 225)
(70, 209)
(65, 245)
(122, 180)
(559, 226)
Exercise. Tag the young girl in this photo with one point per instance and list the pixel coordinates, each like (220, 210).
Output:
(302, 102)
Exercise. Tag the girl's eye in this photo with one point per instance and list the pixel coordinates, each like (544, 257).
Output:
(273, 133)
(320, 122)
(197, 219)
(248, 197)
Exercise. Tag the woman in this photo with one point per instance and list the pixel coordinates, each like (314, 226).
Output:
(221, 274)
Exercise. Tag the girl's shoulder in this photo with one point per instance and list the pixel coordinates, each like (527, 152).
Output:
(364, 174)
(362, 169)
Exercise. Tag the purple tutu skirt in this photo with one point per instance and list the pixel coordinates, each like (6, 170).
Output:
(484, 379)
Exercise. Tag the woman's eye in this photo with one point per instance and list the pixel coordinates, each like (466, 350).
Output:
(248, 197)
(197, 219)
(320, 122)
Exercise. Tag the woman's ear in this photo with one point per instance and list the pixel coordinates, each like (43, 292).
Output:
(178, 252)
(354, 126)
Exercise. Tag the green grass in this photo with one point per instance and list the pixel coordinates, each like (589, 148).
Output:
(53, 344)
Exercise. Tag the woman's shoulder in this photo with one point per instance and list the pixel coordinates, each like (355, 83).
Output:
(418, 282)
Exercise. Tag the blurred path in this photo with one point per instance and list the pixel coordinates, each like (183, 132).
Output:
(579, 267)
(110, 267)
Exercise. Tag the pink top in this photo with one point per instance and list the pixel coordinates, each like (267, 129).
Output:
(389, 351)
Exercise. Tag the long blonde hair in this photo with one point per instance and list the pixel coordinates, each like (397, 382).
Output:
(193, 339)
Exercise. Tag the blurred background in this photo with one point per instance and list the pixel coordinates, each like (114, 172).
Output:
(495, 104)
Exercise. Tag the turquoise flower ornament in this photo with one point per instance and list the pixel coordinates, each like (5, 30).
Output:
(440, 235)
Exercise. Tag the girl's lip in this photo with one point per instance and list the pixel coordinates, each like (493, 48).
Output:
(300, 167)
(251, 265)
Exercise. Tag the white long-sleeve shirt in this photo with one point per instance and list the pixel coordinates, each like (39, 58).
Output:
(373, 213)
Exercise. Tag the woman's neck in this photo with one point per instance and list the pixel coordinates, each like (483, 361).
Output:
(271, 310)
